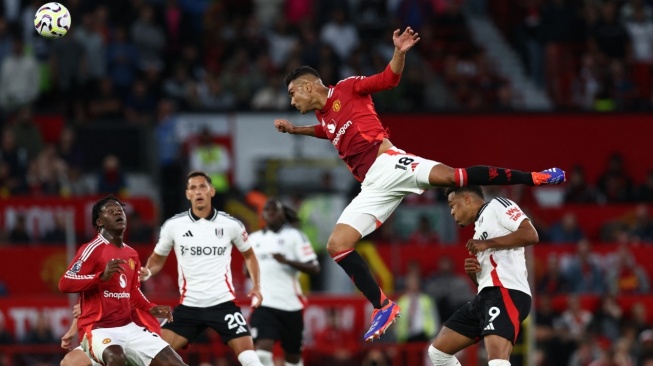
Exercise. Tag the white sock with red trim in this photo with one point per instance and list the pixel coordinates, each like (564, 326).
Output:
(498, 363)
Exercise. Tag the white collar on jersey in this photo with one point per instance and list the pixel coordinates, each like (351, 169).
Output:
(194, 217)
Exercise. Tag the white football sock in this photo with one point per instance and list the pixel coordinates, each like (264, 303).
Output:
(439, 358)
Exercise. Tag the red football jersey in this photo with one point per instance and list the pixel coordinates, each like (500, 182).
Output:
(104, 304)
(350, 122)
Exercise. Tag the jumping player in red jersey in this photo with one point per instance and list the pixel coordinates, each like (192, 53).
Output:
(105, 274)
(348, 119)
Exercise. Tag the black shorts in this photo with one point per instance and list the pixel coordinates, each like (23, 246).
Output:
(495, 310)
(226, 319)
(279, 325)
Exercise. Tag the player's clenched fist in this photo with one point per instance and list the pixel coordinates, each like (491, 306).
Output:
(283, 126)
(476, 246)
(112, 267)
(472, 266)
(162, 311)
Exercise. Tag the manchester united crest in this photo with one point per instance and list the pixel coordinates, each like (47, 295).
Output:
(132, 263)
(336, 105)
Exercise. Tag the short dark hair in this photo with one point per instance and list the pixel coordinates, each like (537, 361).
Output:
(300, 71)
(97, 207)
(471, 189)
(198, 173)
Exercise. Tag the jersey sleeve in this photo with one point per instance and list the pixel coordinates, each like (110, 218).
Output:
(319, 132)
(378, 82)
(82, 274)
(303, 250)
(240, 238)
(136, 296)
(166, 241)
(509, 215)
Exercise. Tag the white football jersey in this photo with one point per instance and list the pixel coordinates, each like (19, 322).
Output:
(279, 282)
(203, 250)
(500, 267)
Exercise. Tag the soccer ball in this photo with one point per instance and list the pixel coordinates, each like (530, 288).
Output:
(52, 20)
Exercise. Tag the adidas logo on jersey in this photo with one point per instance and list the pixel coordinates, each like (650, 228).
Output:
(241, 329)
(489, 327)
(188, 234)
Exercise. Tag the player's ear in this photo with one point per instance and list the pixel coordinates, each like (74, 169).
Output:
(188, 196)
(212, 192)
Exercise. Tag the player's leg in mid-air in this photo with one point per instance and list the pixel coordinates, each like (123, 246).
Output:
(445, 176)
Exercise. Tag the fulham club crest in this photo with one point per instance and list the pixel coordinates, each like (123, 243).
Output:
(219, 232)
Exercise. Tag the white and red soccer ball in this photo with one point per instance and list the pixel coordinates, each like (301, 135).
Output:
(52, 20)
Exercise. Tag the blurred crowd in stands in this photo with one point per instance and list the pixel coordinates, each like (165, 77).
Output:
(588, 55)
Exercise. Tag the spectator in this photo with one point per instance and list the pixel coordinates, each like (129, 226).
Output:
(149, 39)
(281, 42)
(552, 282)
(341, 35)
(625, 276)
(575, 318)
(169, 157)
(583, 272)
(19, 77)
(122, 60)
(9, 184)
(545, 317)
(215, 160)
(210, 94)
(18, 234)
(421, 322)
(638, 318)
(48, 173)
(273, 96)
(139, 104)
(614, 182)
(71, 67)
(89, 35)
(178, 86)
(75, 184)
(608, 318)
(14, 156)
(6, 43)
(57, 234)
(610, 36)
(111, 179)
(645, 191)
(449, 289)
(642, 228)
(41, 334)
(106, 103)
(140, 232)
(424, 233)
(578, 190)
(566, 230)
(6, 338)
(336, 340)
(26, 132)
(69, 150)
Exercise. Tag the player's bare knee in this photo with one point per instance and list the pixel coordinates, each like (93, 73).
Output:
(442, 176)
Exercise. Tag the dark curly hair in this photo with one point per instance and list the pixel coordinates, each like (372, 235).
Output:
(97, 207)
(300, 71)
(472, 189)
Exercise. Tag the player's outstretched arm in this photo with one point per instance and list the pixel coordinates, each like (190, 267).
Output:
(284, 126)
(403, 42)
